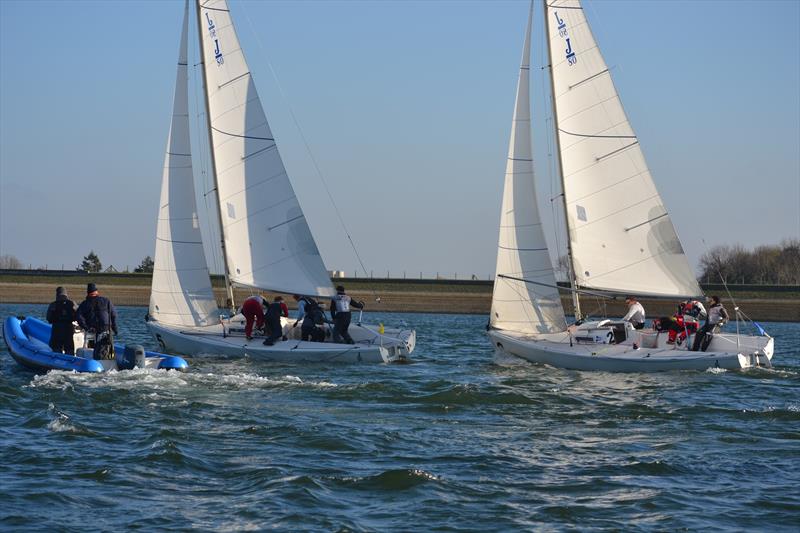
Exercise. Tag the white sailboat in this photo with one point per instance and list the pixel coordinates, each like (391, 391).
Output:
(265, 239)
(620, 236)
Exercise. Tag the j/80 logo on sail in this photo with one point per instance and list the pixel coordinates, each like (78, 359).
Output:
(212, 31)
(562, 31)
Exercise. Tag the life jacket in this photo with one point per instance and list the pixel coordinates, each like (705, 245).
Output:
(342, 303)
(63, 312)
(274, 311)
(717, 314)
(312, 312)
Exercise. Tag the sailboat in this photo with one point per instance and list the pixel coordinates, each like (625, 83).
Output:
(620, 236)
(266, 242)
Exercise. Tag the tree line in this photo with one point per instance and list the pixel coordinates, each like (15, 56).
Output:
(91, 263)
(764, 265)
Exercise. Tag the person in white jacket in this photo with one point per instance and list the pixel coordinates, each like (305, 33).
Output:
(635, 313)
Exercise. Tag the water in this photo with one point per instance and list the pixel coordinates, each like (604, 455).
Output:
(455, 441)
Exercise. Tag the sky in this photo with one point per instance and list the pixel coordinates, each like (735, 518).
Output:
(406, 108)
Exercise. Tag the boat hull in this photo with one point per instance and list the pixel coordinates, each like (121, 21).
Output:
(27, 340)
(370, 346)
(556, 351)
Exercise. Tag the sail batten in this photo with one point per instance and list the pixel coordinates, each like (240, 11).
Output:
(621, 236)
(268, 243)
(181, 292)
(521, 249)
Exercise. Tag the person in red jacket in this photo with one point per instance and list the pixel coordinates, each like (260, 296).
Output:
(253, 311)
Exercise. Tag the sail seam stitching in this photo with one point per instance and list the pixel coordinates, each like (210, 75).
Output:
(617, 211)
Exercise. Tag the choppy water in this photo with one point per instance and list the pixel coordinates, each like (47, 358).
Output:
(455, 441)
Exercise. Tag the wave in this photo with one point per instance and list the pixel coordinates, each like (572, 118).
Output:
(389, 480)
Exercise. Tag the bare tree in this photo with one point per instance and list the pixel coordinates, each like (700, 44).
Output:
(769, 264)
(10, 262)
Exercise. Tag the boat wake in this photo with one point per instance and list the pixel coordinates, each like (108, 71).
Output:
(152, 380)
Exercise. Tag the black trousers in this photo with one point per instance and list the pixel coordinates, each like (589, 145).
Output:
(702, 338)
(312, 333)
(61, 339)
(273, 329)
(341, 322)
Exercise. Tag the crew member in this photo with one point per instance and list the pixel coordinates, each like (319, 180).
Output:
(61, 313)
(717, 316)
(96, 315)
(311, 315)
(274, 329)
(635, 313)
(693, 308)
(340, 312)
(253, 311)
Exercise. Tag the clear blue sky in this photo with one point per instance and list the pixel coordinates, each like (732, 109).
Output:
(407, 108)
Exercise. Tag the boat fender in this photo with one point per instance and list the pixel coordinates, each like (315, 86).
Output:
(130, 358)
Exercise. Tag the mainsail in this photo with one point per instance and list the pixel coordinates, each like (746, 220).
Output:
(522, 250)
(622, 238)
(181, 290)
(268, 243)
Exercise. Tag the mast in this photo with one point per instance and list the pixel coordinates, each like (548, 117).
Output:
(573, 280)
(228, 285)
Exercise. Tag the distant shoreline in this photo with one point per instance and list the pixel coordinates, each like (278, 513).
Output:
(767, 303)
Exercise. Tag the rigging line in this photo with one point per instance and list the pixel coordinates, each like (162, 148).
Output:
(567, 289)
(308, 148)
(202, 6)
(721, 277)
(554, 6)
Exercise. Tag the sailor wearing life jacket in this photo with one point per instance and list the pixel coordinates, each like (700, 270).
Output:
(693, 308)
(311, 315)
(717, 316)
(61, 313)
(340, 311)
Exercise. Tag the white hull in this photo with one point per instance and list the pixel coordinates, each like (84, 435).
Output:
(555, 350)
(370, 346)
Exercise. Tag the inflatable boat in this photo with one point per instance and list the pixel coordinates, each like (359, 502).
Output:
(27, 340)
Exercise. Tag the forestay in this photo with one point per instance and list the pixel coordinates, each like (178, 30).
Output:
(268, 243)
(522, 249)
(181, 289)
(621, 234)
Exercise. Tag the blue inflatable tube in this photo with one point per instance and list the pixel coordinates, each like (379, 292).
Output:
(27, 340)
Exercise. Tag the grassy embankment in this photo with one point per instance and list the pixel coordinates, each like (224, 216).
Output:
(766, 303)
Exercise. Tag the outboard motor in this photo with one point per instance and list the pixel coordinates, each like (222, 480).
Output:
(132, 357)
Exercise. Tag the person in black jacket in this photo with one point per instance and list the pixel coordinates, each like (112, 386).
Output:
(273, 327)
(60, 314)
(97, 315)
(340, 312)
